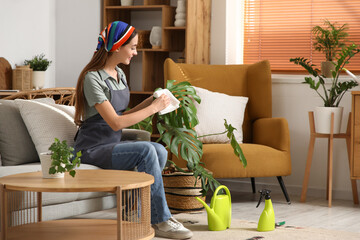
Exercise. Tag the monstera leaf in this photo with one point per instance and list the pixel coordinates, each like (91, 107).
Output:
(234, 144)
(182, 141)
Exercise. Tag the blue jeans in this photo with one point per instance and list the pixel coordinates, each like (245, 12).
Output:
(149, 157)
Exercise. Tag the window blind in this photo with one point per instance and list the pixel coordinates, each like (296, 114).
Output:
(278, 30)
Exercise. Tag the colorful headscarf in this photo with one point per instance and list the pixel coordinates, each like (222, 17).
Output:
(114, 35)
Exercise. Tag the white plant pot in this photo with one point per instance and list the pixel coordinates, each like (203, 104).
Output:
(38, 79)
(45, 159)
(155, 37)
(323, 119)
(127, 2)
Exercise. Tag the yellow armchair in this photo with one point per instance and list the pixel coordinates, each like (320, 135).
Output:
(266, 140)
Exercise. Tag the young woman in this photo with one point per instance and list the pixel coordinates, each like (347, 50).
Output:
(102, 95)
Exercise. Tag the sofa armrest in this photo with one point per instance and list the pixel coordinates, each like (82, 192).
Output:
(135, 135)
(272, 132)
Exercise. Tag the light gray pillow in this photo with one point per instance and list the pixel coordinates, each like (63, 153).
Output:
(16, 146)
(45, 122)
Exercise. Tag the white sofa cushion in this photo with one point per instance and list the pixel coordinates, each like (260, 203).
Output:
(213, 109)
(16, 146)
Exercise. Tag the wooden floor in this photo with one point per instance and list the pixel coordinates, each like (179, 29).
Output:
(343, 215)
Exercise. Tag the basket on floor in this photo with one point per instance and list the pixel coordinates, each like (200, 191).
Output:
(180, 192)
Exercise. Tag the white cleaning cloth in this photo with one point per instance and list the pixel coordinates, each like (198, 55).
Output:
(174, 103)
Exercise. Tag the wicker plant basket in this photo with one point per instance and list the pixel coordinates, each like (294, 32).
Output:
(143, 41)
(180, 192)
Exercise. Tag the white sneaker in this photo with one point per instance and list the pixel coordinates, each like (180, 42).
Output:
(172, 229)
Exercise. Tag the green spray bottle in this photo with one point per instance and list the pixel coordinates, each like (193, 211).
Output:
(267, 218)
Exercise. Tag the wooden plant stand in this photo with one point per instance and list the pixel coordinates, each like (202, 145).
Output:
(330, 137)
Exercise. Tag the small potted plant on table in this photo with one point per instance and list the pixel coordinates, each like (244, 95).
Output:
(59, 160)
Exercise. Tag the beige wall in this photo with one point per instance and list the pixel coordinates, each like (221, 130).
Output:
(27, 28)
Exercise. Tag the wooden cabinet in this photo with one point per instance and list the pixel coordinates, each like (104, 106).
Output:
(355, 135)
(191, 42)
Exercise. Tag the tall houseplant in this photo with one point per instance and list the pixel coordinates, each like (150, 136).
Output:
(177, 133)
(333, 94)
(329, 39)
(39, 64)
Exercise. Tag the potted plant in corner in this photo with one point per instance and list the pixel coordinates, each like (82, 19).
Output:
(39, 64)
(329, 40)
(332, 95)
(59, 160)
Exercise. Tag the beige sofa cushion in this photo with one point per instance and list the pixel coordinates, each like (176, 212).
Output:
(16, 146)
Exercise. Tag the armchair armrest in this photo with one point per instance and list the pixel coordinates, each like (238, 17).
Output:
(272, 132)
(135, 135)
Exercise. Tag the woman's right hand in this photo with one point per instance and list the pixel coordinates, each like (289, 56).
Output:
(161, 103)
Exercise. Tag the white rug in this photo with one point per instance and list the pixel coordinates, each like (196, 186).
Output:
(243, 230)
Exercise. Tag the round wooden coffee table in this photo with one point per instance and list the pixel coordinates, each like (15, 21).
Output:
(21, 192)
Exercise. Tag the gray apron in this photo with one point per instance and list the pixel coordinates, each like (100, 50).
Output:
(95, 139)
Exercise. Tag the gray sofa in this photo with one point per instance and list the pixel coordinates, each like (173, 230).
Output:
(28, 127)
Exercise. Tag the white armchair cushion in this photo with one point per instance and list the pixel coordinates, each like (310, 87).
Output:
(213, 109)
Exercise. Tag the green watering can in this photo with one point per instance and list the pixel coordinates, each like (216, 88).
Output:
(219, 212)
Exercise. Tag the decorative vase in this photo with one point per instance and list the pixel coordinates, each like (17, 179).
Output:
(127, 2)
(155, 37)
(45, 159)
(38, 79)
(326, 68)
(323, 119)
(180, 16)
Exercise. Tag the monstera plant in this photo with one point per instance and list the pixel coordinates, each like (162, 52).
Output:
(177, 133)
